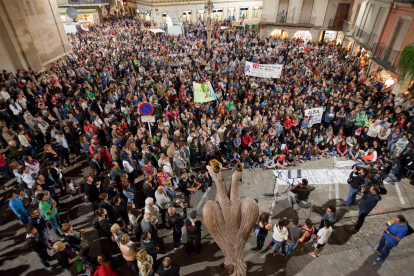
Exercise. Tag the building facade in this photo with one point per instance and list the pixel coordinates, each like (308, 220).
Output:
(382, 28)
(31, 34)
(311, 19)
(194, 11)
(89, 11)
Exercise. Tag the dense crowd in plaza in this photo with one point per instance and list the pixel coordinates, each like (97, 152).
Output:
(87, 105)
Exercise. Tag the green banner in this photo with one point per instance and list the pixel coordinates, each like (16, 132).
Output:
(203, 92)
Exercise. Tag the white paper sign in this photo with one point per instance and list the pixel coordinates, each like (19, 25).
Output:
(316, 113)
(148, 119)
(328, 176)
(263, 70)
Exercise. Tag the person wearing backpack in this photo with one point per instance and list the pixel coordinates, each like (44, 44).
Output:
(394, 231)
(38, 246)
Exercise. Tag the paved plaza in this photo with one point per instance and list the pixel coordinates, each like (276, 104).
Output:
(345, 254)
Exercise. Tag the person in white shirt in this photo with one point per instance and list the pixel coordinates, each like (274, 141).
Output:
(373, 131)
(322, 238)
(28, 179)
(280, 235)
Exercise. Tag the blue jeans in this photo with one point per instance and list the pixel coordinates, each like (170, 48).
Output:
(280, 245)
(177, 232)
(31, 150)
(55, 222)
(260, 241)
(194, 157)
(171, 194)
(5, 115)
(5, 171)
(384, 248)
(44, 258)
(398, 171)
(351, 196)
(257, 164)
(289, 249)
(391, 148)
(331, 153)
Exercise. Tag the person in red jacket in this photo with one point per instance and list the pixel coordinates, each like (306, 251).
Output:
(104, 268)
(246, 140)
(288, 124)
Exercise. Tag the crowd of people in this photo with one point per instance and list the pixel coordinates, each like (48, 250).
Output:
(86, 105)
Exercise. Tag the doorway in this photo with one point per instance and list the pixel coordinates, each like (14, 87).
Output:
(341, 14)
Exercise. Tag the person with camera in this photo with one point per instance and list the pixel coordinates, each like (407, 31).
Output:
(394, 231)
(356, 180)
(300, 192)
(406, 157)
(366, 204)
(176, 221)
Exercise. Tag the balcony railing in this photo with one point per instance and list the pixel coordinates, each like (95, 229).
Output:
(364, 38)
(386, 57)
(405, 1)
(288, 19)
(348, 27)
(81, 2)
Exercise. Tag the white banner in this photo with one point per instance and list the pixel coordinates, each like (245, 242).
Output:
(316, 113)
(328, 176)
(263, 70)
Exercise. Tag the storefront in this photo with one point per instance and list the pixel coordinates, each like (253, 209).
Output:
(329, 35)
(84, 15)
(187, 16)
(201, 15)
(278, 33)
(231, 12)
(305, 35)
(217, 14)
(148, 15)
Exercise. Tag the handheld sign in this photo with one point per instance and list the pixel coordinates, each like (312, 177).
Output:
(146, 109)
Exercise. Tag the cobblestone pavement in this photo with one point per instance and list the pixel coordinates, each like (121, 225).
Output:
(345, 254)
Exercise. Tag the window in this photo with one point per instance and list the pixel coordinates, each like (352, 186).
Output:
(201, 15)
(231, 12)
(187, 16)
(63, 18)
(244, 12)
(164, 17)
(256, 11)
(217, 14)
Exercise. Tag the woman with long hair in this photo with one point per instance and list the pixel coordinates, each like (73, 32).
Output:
(33, 164)
(145, 263)
(263, 228)
(280, 235)
(308, 230)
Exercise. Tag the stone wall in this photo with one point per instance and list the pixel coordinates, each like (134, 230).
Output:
(32, 34)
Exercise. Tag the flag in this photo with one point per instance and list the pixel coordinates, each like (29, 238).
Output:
(203, 92)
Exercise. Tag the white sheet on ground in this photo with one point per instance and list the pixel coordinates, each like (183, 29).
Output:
(341, 164)
(327, 176)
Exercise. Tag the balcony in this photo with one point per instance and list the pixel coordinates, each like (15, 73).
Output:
(364, 38)
(69, 3)
(288, 20)
(386, 57)
(348, 27)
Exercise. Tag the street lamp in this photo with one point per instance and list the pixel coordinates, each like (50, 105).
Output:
(209, 8)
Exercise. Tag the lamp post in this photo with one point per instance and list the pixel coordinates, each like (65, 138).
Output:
(209, 8)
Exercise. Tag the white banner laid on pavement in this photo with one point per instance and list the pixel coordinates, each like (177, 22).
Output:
(263, 70)
(341, 164)
(316, 113)
(328, 176)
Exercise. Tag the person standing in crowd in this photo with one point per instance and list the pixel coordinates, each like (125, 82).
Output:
(280, 235)
(129, 252)
(394, 231)
(366, 204)
(18, 208)
(176, 221)
(38, 246)
(148, 244)
(193, 228)
(357, 180)
(168, 269)
(321, 238)
(329, 215)
(92, 192)
(295, 232)
(264, 226)
(48, 208)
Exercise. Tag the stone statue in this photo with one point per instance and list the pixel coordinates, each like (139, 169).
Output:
(230, 220)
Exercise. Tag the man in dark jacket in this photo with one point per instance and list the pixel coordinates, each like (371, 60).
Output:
(366, 204)
(38, 222)
(193, 227)
(168, 269)
(357, 180)
(149, 245)
(177, 222)
(38, 246)
(406, 157)
(91, 192)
